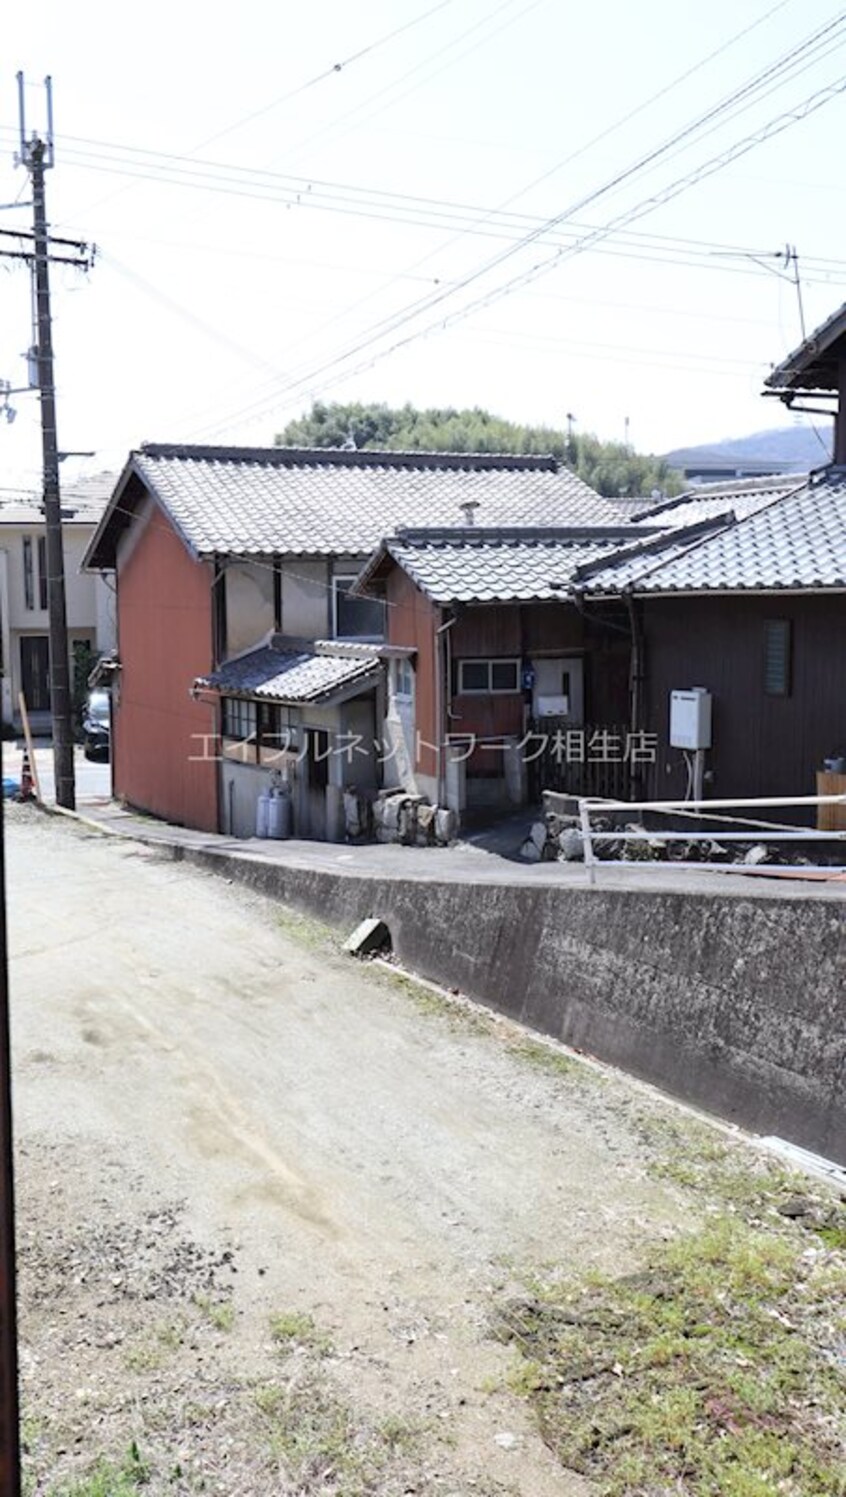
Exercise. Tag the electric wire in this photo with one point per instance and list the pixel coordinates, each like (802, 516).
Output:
(774, 127)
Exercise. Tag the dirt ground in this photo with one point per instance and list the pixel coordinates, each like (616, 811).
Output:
(267, 1196)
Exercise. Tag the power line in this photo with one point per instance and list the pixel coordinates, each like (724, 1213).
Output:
(330, 72)
(717, 163)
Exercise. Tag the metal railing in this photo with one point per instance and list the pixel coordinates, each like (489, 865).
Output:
(755, 832)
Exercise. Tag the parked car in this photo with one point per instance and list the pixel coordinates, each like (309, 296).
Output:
(96, 725)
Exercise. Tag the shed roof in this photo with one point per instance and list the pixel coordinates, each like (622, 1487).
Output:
(294, 677)
(304, 502)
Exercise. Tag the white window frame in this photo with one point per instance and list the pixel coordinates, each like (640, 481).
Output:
(490, 689)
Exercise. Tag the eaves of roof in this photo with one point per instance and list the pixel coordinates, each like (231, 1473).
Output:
(814, 364)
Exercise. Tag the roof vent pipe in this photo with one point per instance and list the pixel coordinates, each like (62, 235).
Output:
(468, 508)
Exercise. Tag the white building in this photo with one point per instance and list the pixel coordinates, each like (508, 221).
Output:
(24, 625)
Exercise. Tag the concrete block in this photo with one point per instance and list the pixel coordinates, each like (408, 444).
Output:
(371, 935)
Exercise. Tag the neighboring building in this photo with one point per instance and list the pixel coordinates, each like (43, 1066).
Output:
(237, 628)
(502, 658)
(24, 625)
(755, 613)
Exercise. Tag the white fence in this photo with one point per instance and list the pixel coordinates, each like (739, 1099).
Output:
(755, 832)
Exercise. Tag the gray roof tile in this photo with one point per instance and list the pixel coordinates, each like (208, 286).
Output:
(293, 676)
(796, 542)
(708, 501)
(478, 566)
(292, 502)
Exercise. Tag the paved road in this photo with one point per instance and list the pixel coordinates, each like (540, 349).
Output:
(93, 778)
(198, 1081)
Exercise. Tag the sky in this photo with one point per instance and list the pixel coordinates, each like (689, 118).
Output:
(532, 206)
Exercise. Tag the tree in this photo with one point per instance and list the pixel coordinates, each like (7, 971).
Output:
(611, 468)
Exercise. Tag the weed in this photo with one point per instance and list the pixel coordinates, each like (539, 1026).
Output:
(434, 1004)
(712, 1371)
(318, 1445)
(144, 1356)
(293, 1328)
(547, 1058)
(306, 931)
(107, 1479)
(220, 1313)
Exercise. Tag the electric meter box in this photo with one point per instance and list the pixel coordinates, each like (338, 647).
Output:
(690, 718)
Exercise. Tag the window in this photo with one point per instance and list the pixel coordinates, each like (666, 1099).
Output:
(403, 673)
(29, 577)
(357, 618)
(239, 719)
(42, 571)
(777, 652)
(488, 676)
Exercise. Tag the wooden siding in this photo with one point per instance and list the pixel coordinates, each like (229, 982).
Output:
(763, 745)
(164, 640)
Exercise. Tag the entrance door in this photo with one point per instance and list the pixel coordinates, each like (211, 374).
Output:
(35, 671)
(559, 689)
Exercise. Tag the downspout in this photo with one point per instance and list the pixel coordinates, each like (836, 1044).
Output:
(637, 676)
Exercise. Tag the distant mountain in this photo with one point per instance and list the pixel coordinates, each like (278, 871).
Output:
(788, 449)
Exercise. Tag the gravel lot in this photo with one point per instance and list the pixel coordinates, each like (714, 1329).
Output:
(267, 1196)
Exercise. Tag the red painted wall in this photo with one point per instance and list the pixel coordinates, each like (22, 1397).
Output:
(164, 641)
(412, 621)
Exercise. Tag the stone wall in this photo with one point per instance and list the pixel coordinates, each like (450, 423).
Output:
(735, 1004)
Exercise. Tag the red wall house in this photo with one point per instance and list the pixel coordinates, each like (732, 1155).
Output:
(164, 743)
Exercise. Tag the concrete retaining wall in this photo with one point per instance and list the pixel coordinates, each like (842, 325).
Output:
(737, 1005)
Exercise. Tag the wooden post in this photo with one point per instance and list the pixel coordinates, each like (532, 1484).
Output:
(29, 744)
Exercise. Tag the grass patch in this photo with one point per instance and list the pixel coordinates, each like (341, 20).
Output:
(219, 1313)
(107, 1479)
(433, 1004)
(293, 1328)
(317, 1445)
(547, 1058)
(717, 1371)
(308, 932)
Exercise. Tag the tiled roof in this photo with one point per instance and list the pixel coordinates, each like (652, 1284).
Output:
(708, 501)
(797, 542)
(294, 502)
(293, 676)
(469, 565)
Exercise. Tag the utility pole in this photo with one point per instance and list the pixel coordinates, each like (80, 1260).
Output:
(37, 156)
(10, 1453)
